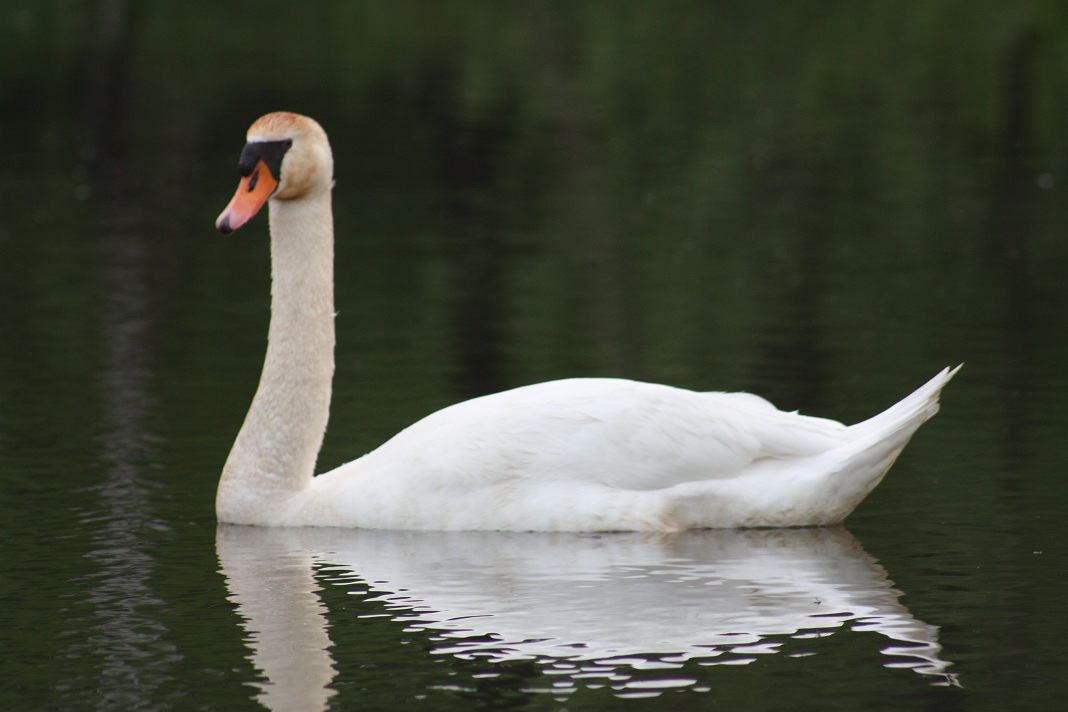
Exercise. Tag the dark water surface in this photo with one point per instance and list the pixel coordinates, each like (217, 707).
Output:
(820, 203)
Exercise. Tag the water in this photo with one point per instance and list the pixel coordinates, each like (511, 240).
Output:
(824, 206)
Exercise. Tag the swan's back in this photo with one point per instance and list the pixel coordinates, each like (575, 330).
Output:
(594, 454)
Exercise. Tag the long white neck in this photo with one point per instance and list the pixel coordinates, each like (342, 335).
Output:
(274, 455)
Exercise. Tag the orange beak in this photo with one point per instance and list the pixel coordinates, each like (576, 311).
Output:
(252, 193)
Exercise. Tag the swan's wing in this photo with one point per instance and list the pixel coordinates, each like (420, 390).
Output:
(619, 433)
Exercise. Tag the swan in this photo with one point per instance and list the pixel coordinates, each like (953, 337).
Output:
(582, 454)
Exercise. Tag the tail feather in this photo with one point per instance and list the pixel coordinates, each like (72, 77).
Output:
(875, 444)
(819, 489)
(910, 412)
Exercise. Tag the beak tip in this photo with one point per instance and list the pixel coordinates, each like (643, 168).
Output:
(223, 224)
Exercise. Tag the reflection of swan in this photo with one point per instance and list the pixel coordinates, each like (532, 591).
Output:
(599, 605)
(575, 455)
(274, 589)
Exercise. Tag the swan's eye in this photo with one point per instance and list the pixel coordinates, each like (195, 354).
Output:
(254, 180)
(287, 143)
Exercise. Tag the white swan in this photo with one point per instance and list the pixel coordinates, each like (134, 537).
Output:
(588, 454)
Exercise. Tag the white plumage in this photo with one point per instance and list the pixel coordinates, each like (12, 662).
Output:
(574, 455)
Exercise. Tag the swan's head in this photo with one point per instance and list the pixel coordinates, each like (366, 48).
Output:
(287, 157)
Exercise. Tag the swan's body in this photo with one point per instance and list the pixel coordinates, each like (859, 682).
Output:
(576, 455)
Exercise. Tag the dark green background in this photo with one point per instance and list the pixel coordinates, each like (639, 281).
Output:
(822, 202)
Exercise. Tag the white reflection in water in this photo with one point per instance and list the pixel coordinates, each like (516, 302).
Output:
(591, 609)
(270, 577)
